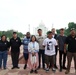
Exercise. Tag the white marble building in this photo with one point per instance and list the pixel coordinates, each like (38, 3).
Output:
(41, 26)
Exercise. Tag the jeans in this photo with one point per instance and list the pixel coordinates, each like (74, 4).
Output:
(3, 57)
(62, 63)
(41, 55)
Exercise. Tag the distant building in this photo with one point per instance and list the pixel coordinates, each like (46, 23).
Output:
(41, 26)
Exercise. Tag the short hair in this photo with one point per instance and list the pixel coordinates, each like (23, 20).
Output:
(49, 32)
(62, 29)
(39, 29)
(52, 28)
(32, 37)
(27, 33)
(14, 32)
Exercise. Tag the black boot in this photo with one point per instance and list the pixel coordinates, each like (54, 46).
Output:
(31, 71)
(25, 66)
(64, 67)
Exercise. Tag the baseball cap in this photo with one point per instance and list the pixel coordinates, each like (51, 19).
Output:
(72, 29)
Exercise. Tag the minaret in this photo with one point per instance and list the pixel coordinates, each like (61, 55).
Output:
(29, 27)
(52, 25)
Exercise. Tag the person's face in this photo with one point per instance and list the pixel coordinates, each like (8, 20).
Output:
(53, 31)
(33, 39)
(73, 33)
(50, 35)
(40, 32)
(14, 35)
(28, 35)
(61, 31)
(3, 38)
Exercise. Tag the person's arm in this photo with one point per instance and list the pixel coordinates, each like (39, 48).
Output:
(8, 45)
(23, 42)
(10, 42)
(37, 47)
(44, 43)
(65, 44)
(20, 43)
(29, 48)
(57, 40)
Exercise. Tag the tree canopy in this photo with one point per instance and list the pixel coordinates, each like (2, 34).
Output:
(8, 33)
(67, 30)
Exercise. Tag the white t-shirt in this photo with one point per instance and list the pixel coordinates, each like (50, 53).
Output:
(49, 46)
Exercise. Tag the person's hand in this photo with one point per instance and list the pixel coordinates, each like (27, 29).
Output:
(64, 50)
(9, 53)
(33, 48)
(33, 54)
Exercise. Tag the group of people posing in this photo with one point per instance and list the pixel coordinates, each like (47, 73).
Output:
(40, 51)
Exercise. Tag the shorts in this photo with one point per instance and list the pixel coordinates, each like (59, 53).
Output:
(25, 56)
(49, 59)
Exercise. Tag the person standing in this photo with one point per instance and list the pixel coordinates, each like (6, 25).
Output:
(40, 39)
(4, 47)
(49, 43)
(61, 40)
(33, 49)
(71, 53)
(56, 47)
(15, 43)
(25, 48)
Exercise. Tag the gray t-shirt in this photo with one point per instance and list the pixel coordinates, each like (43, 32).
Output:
(61, 41)
(40, 41)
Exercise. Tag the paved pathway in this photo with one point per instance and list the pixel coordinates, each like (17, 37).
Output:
(21, 71)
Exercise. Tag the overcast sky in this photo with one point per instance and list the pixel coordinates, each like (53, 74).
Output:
(18, 14)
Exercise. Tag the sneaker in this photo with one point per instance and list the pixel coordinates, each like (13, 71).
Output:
(5, 68)
(53, 69)
(60, 69)
(64, 68)
(18, 67)
(31, 71)
(66, 72)
(56, 67)
(47, 69)
(13, 68)
(36, 71)
(25, 66)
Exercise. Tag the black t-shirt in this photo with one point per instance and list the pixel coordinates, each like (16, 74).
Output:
(71, 43)
(4, 45)
(15, 44)
(55, 36)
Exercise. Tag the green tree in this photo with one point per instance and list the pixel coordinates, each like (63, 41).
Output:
(67, 30)
(8, 33)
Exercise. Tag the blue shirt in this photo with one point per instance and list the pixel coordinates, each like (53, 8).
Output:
(25, 44)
